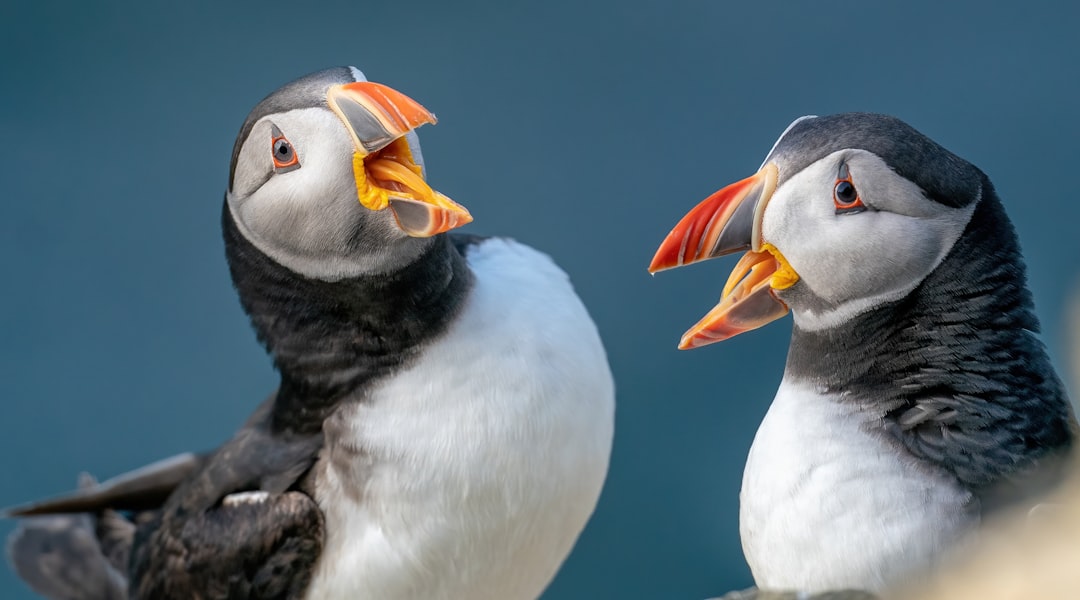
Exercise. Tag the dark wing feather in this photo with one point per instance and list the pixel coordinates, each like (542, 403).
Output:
(142, 489)
(257, 550)
(185, 542)
(59, 557)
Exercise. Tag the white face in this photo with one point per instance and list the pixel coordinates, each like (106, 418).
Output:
(308, 218)
(853, 262)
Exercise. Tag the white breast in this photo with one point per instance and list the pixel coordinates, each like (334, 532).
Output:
(827, 504)
(470, 474)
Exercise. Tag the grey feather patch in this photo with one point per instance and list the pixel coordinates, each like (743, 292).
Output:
(115, 535)
(60, 558)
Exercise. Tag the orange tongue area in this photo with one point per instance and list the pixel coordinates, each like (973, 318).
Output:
(753, 269)
(389, 172)
(748, 301)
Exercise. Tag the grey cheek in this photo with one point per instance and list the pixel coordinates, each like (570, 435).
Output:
(800, 295)
(251, 173)
(252, 184)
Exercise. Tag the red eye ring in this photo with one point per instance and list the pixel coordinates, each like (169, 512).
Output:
(283, 154)
(845, 197)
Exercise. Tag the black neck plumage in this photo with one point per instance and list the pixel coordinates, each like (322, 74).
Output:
(953, 372)
(328, 339)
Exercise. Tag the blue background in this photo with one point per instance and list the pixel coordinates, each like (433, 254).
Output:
(583, 128)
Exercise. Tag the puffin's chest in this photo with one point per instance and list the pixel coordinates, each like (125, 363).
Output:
(470, 472)
(827, 503)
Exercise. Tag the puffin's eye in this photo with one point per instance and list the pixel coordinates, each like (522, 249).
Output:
(845, 193)
(845, 196)
(282, 152)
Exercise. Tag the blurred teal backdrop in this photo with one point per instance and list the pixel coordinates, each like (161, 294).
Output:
(583, 128)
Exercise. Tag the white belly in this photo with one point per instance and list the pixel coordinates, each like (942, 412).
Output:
(826, 504)
(470, 474)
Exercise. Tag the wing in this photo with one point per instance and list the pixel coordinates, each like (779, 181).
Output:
(59, 557)
(261, 547)
(62, 557)
(216, 538)
(145, 488)
(142, 489)
(199, 533)
(257, 546)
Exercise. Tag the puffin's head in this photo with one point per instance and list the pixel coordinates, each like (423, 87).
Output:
(847, 212)
(327, 178)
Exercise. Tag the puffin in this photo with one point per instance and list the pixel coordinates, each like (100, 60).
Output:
(916, 399)
(444, 419)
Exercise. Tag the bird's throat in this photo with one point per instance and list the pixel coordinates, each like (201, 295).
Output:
(329, 338)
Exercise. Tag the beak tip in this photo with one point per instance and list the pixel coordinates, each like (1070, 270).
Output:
(659, 264)
(663, 261)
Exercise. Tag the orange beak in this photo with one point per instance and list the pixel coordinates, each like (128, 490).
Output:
(378, 117)
(729, 221)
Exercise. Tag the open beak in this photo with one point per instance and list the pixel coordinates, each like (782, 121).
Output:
(729, 221)
(387, 176)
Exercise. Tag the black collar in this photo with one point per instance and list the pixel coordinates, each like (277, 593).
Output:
(329, 339)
